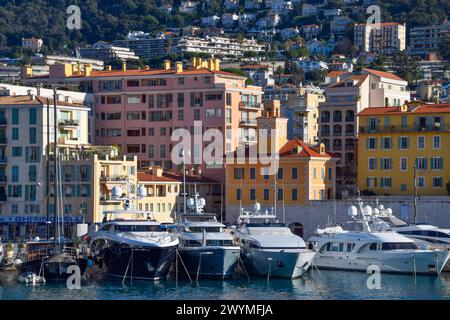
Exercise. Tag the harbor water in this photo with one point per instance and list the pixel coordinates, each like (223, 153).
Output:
(323, 285)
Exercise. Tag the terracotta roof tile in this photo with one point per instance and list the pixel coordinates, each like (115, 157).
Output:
(25, 100)
(383, 74)
(421, 109)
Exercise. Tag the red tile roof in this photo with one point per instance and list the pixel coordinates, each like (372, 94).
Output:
(383, 74)
(26, 100)
(306, 152)
(255, 66)
(421, 109)
(336, 73)
(359, 78)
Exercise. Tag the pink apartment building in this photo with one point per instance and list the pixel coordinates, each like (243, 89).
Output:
(139, 109)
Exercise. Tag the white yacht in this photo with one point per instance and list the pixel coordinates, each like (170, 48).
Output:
(425, 235)
(140, 249)
(357, 246)
(205, 249)
(269, 248)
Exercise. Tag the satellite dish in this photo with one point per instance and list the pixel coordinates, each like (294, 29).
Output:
(116, 192)
(367, 210)
(352, 211)
(141, 191)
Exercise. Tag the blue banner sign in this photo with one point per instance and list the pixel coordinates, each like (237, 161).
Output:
(37, 219)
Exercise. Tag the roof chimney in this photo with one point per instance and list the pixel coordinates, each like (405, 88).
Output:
(108, 68)
(124, 66)
(179, 67)
(166, 64)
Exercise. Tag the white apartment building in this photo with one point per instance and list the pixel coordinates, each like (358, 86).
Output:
(387, 38)
(34, 44)
(219, 46)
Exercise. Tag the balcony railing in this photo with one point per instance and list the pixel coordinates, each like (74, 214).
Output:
(108, 198)
(69, 123)
(248, 122)
(113, 178)
(3, 160)
(393, 129)
(249, 105)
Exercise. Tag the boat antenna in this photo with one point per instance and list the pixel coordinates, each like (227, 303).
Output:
(55, 165)
(415, 194)
(47, 175)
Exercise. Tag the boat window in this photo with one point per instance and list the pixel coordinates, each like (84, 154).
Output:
(207, 229)
(192, 243)
(341, 247)
(219, 243)
(335, 247)
(398, 246)
(137, 228)
(443, 235)
(267, 224)
(373, 246)
(107, 227)
(329, 246)
(350, 247)
(253, 245)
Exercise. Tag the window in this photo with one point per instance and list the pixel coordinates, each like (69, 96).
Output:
(113, 100)
(371, 143)
(238, 194)
(151, 151)
(280, 194)
(16, 151)
(133, 148)
(372, 164)
(151, 132)
(110, 85)
(180, 81)
(386, 164)
(403, 164)
(373, 122)
(421, 163)
(403, 143)
(436, 142)
(421, 182)
(162, 131)
(33, 116)
(403, 187)
(208, 79)
(153, 82)
(371, 182)
(180, 100)
(437, 182)
(386, 143)
(294, 195)
(404, 121)
(134, 99)
(421, 142)
(15, 133)
(133, 83)
(228, 115)
(196, 114)
(15, 174)
(437, 163)
(15, 116)
(253, 173)
(162, 151)
(252, 194)
(294, 173)
(386, 182)
(314, 173)
(135, 115)
(228, 98)
(239, 173)
(32, 154)
(280, 174)
(266, 194)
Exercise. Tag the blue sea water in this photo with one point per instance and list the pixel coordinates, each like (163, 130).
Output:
(323, 285)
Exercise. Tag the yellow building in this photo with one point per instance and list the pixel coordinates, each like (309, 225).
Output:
(304, 172)
(393, 141)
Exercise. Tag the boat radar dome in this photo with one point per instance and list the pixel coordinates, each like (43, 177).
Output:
(116, 192)
(389, 211)
(352, 211)
(381, 207)
(201, 202)
(367, 210)
(141, 191)
(376, 211)
(190, 203)
(257, 206)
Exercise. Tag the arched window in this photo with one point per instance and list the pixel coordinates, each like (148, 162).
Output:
(325, 131)
(337, 116)
(337, 130)
(349, 130)
(337, 144)
(325, 116)
(349, 144)
(349, 116)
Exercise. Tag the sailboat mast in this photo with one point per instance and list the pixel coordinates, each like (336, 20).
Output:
(55, 165)
(47, 184)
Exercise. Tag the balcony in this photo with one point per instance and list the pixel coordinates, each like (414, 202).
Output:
(244, 105)
(393, 129)
(248, 122)
(3, 160)
(68, 140)
(118, 179)
(69, 124)
(3, 122)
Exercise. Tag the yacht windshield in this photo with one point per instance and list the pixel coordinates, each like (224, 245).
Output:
(398, 246)
(207, 229)
(265, 224)
(393, 221)
(137, 228)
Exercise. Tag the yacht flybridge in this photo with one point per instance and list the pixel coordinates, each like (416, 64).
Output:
(269, 248)
(356, 246)
(206, 250)
(134, 248)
